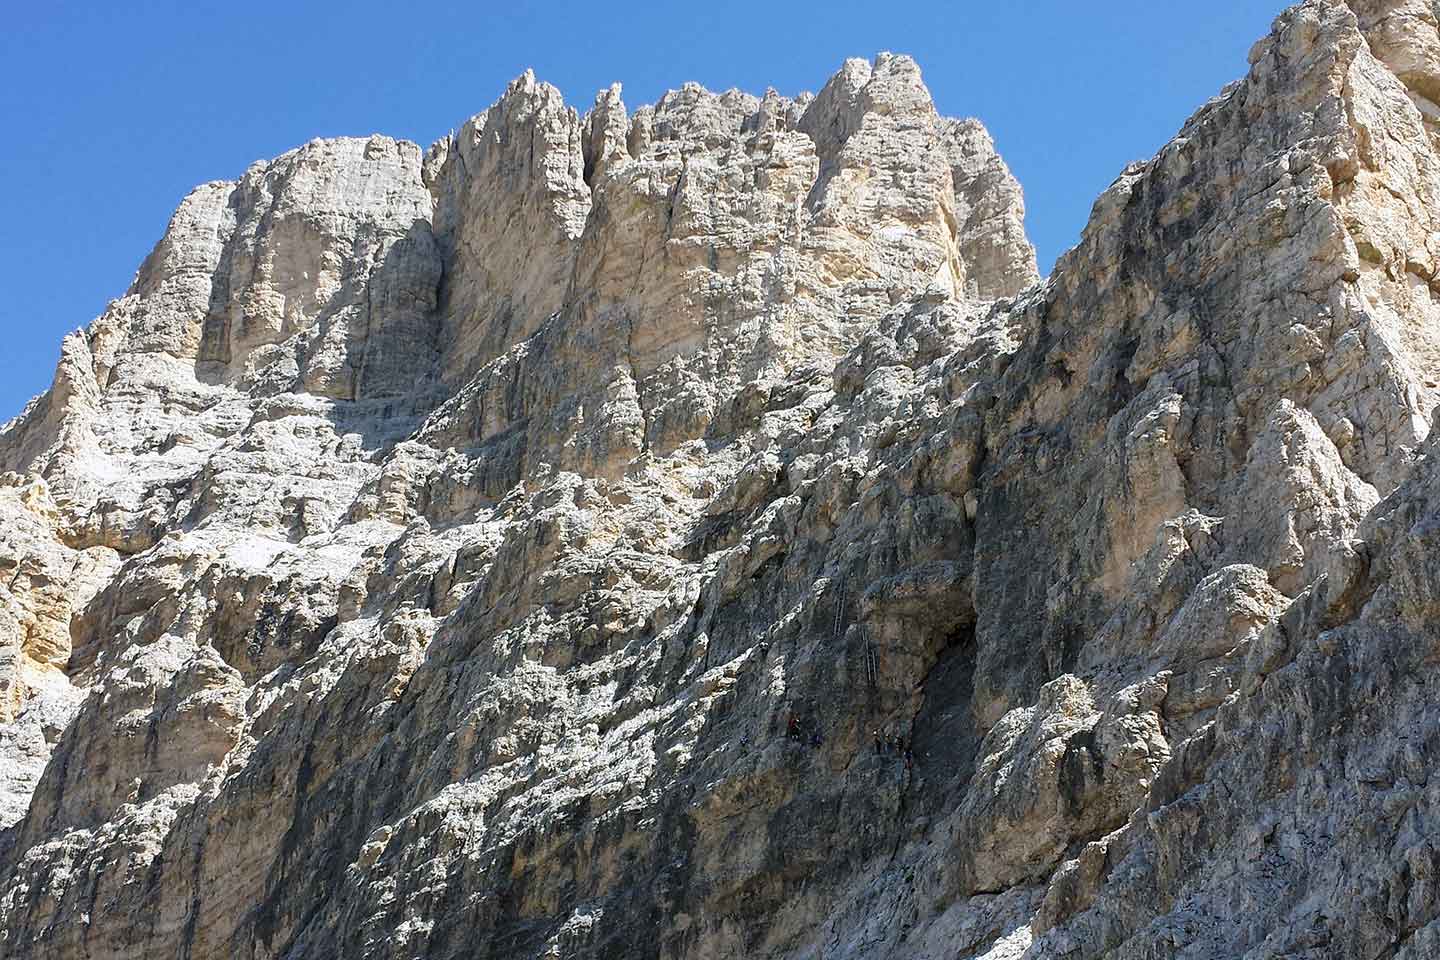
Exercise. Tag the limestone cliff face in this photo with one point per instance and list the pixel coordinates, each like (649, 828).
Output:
(516, 548)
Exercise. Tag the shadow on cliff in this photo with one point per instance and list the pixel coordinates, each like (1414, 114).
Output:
(371, 349)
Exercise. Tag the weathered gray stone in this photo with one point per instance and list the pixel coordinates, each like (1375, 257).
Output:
(699, 532)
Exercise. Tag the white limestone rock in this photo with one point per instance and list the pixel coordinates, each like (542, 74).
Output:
(697, 531)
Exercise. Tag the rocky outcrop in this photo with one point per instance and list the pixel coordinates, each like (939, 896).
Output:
(700, 532)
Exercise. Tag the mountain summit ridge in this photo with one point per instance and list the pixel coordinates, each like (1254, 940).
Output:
(701, 532)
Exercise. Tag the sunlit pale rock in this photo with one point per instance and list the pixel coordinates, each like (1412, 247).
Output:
(696, 531)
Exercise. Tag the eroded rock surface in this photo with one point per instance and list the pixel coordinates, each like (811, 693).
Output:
(699, 532)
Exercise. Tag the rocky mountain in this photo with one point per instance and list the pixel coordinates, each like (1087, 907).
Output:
(700, 533)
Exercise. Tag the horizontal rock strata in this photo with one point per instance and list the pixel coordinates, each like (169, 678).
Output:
(699, 532)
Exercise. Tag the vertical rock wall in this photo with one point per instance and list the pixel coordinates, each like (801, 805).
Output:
(700, 533)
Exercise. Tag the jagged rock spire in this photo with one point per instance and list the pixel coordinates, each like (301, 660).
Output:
(429, 554)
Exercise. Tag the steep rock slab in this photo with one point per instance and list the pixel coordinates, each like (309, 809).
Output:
(770, 590)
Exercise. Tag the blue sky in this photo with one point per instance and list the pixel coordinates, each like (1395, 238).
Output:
(112, 112)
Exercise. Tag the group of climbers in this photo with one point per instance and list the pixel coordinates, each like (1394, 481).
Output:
(795, 730)
(886, 743)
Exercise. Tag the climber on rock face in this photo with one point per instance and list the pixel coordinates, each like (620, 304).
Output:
(879, 744)
(794, 728)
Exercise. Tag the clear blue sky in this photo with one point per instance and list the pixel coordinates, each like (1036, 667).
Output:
(113, 111)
